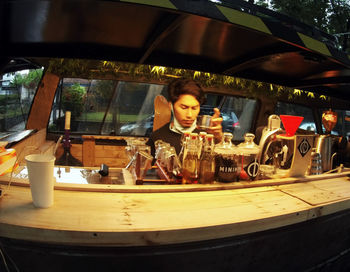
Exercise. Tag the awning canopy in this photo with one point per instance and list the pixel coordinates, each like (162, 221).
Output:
(231, 37)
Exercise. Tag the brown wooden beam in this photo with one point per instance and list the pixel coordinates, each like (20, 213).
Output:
(41, 108)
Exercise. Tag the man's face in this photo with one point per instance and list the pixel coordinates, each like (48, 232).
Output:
(186, 109)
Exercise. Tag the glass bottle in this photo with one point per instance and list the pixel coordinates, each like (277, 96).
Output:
(184, 138)
(67, 158)
(207, 161)
(226, 168)
(170, 159)
(175, 164)
(201, 142)
(315, 167)
(248, 162)
(190, 160)
(163, 149)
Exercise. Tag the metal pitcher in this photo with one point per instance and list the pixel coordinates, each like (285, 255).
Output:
(324, 146)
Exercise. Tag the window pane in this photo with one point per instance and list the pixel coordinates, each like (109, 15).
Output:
(86, 99)
(17, 91)
(308, 122)
(234, 110)
(105, 107)
(132, 109)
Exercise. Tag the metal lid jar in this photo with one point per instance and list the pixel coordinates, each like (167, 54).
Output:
(248, 162)
(226, 168)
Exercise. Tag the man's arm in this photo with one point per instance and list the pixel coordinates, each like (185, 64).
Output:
(215, 126)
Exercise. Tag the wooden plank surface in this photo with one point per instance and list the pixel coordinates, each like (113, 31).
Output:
(321, 191)
(126, 219)
(107, 137)
(88, 152)
(113, 156)
(134, 215)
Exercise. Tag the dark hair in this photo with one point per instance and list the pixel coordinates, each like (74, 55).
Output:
(178, 87)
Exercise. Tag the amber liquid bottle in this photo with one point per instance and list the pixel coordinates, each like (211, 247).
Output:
(207, 161)
(190, 161)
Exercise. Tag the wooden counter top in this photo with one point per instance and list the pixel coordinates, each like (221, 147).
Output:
(117, 218)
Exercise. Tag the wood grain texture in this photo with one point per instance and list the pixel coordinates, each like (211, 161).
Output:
(104, 137)
(162, 112)
(41, 107)
(128, 219)
(94, 155)
(130, 215)
(89, 152)
(36, 143)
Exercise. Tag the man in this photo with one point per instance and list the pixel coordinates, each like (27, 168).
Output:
(185, 98)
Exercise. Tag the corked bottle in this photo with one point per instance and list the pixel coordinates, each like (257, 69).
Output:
(190, 160)
(207, 161)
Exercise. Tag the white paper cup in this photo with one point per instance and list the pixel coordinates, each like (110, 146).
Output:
(40, 171)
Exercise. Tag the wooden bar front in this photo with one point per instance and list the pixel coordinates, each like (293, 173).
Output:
(131, 215)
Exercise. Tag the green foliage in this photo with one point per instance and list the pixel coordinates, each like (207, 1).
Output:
(70, 67)
(308, 11)
(104, 89)
(100, 93)
(29, 81)
(262, 3)
(339, 21)
(5, 99)
(108, 69)
(73, 99)
(331, 16)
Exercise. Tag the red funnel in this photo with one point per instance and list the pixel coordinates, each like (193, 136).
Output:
(291, 123)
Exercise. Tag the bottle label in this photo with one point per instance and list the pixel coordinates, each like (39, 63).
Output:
(226, 169)
(252, 169)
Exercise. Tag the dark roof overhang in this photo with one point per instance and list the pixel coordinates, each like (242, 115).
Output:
(231, 37)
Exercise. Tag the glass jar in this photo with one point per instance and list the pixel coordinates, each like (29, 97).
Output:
(226, 168)
(248, 158)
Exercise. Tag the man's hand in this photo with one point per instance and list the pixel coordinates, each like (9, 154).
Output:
(215, 126)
